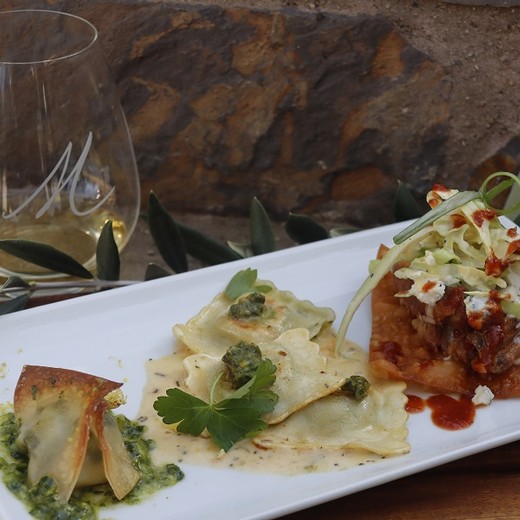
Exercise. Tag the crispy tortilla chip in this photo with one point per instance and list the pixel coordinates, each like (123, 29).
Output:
(396, 352)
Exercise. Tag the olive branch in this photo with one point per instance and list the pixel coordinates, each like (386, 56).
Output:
(175, 241)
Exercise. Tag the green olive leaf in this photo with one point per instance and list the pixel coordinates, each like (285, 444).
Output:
(154, 271)
(15, 304)
(205, 248)
(45, 256)
(107, 254)
(344, 230)
(406, 206)
(166, 235)
(304, 229)
(241, 249)
(262, 236)
(14, 281)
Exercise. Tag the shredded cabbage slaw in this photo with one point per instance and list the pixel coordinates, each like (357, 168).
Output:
(457, 243)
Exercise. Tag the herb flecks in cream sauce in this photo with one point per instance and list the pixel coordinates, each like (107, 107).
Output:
(168, 372)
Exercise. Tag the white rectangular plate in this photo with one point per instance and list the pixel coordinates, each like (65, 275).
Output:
(113, 333)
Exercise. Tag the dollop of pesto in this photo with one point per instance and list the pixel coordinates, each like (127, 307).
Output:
(41, 500)
(357, 387)
(241, 361)
(250, 306)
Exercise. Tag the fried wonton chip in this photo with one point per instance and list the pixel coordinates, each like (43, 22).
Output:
(213, 331)
(397, 352)
(377, 423)
(303, 374)
(68, 433)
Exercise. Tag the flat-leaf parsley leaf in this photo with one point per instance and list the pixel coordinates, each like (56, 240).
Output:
(229, 420)
(244, 282)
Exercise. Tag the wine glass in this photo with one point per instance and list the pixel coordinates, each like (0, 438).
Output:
(66, 160)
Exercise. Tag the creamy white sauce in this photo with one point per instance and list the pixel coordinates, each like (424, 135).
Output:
(168, 372)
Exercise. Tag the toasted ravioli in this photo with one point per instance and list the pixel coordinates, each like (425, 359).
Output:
(67, 431)
(213, 330)
(303, 374)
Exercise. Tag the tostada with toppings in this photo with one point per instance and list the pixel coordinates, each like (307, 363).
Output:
(446, 299)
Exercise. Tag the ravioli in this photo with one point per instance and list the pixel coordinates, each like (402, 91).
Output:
(213, 331)
(376, 424)
(303, 374)
(68, 431)
(313, 411)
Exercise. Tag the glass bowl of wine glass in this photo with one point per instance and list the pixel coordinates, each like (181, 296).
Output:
(67, 165)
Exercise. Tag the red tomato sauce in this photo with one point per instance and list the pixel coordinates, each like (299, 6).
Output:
(458, 220)
(481, 215)
(415, 404)
(448, 413)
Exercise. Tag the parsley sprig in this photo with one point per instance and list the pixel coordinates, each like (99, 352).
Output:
(229, 420)
(243, 282)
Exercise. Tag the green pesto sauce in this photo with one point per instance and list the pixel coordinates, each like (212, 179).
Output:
(250, 306)
(84, 504)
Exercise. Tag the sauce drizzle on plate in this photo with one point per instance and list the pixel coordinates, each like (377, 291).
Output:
(448, 412)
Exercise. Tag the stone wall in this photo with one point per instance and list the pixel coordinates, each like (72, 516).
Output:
(312, 106)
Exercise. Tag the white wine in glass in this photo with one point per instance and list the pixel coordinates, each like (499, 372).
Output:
(67, 164)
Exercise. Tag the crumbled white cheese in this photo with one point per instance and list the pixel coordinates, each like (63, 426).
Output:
(429, 259)
(427, 290)
(483, 396)
(476, 303)
(433, 294)
(436, 196)
(426, 287)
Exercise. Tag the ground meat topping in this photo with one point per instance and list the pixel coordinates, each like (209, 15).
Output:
(486, 340)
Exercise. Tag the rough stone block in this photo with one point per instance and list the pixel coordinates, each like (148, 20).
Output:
(309, 111)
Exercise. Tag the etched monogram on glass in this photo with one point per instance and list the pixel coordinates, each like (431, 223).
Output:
(66, 159)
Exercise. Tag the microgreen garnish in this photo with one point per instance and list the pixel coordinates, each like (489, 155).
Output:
(445, 207)
(461, 198)
(244, 282)
(489, 195)
(229, 420)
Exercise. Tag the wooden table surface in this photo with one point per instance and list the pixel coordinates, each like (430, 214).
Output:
(483, 486)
